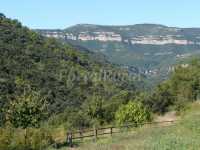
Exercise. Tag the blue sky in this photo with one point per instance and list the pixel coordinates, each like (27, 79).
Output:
(64, 13)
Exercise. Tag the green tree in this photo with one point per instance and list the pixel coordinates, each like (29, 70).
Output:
(161, 99)
(27, 110)
(133, 112)
(94, 108)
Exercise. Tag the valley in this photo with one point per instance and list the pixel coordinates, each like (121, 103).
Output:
(56, 82)
(150, 48)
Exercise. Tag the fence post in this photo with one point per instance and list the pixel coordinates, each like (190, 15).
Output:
(95, 134)
(111, 131)
(69, 139)
(81, 133)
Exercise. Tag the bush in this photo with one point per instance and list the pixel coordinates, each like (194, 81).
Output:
(181, 105)
(14, 139)
(133, 112)
(5, 138)
(39, 138)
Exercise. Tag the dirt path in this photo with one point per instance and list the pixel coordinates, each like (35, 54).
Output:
(170, 116)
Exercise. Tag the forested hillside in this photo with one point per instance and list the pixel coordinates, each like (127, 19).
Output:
(65, 77)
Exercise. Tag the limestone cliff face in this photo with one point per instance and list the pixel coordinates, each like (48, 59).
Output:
(160, 40)
(84, 36)
(111, 36)
(136, 34)
(100, 36)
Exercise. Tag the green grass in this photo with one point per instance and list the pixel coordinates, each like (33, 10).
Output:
(184, 135)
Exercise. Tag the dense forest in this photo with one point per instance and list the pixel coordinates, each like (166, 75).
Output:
(45, 84)
(66, 78)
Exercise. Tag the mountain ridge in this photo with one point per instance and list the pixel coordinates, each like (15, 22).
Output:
(153, 48)
(118, 25)
(122, 30)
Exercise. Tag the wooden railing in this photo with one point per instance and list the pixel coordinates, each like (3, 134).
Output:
(98, 132)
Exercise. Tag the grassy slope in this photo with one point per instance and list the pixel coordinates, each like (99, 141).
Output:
(184, 135)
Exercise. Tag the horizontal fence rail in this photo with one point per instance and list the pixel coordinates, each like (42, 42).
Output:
(109, 130)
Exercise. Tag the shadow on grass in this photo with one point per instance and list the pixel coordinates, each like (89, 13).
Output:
(65, 144)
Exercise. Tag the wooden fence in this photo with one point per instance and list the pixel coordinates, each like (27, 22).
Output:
(99, 132)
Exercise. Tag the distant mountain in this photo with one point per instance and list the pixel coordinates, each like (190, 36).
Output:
(151, 48)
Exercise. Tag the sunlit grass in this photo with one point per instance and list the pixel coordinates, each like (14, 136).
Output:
(183, 135)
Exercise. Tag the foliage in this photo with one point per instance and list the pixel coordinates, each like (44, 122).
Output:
(13, 139)
(181, 88)
(132, 112)
(94, 108)
(181, 135)
(64, 76)
(27, 110)
(161, 99)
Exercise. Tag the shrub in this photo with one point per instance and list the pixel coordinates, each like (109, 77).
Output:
(5, 138)
(181, 105)
(14, 139)
(39, 138)
(27, 110)
(133, 112)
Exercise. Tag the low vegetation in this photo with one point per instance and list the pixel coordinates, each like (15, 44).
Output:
(133, 112)
(182, 135)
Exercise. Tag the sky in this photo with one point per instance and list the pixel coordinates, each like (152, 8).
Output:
(60, 14)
